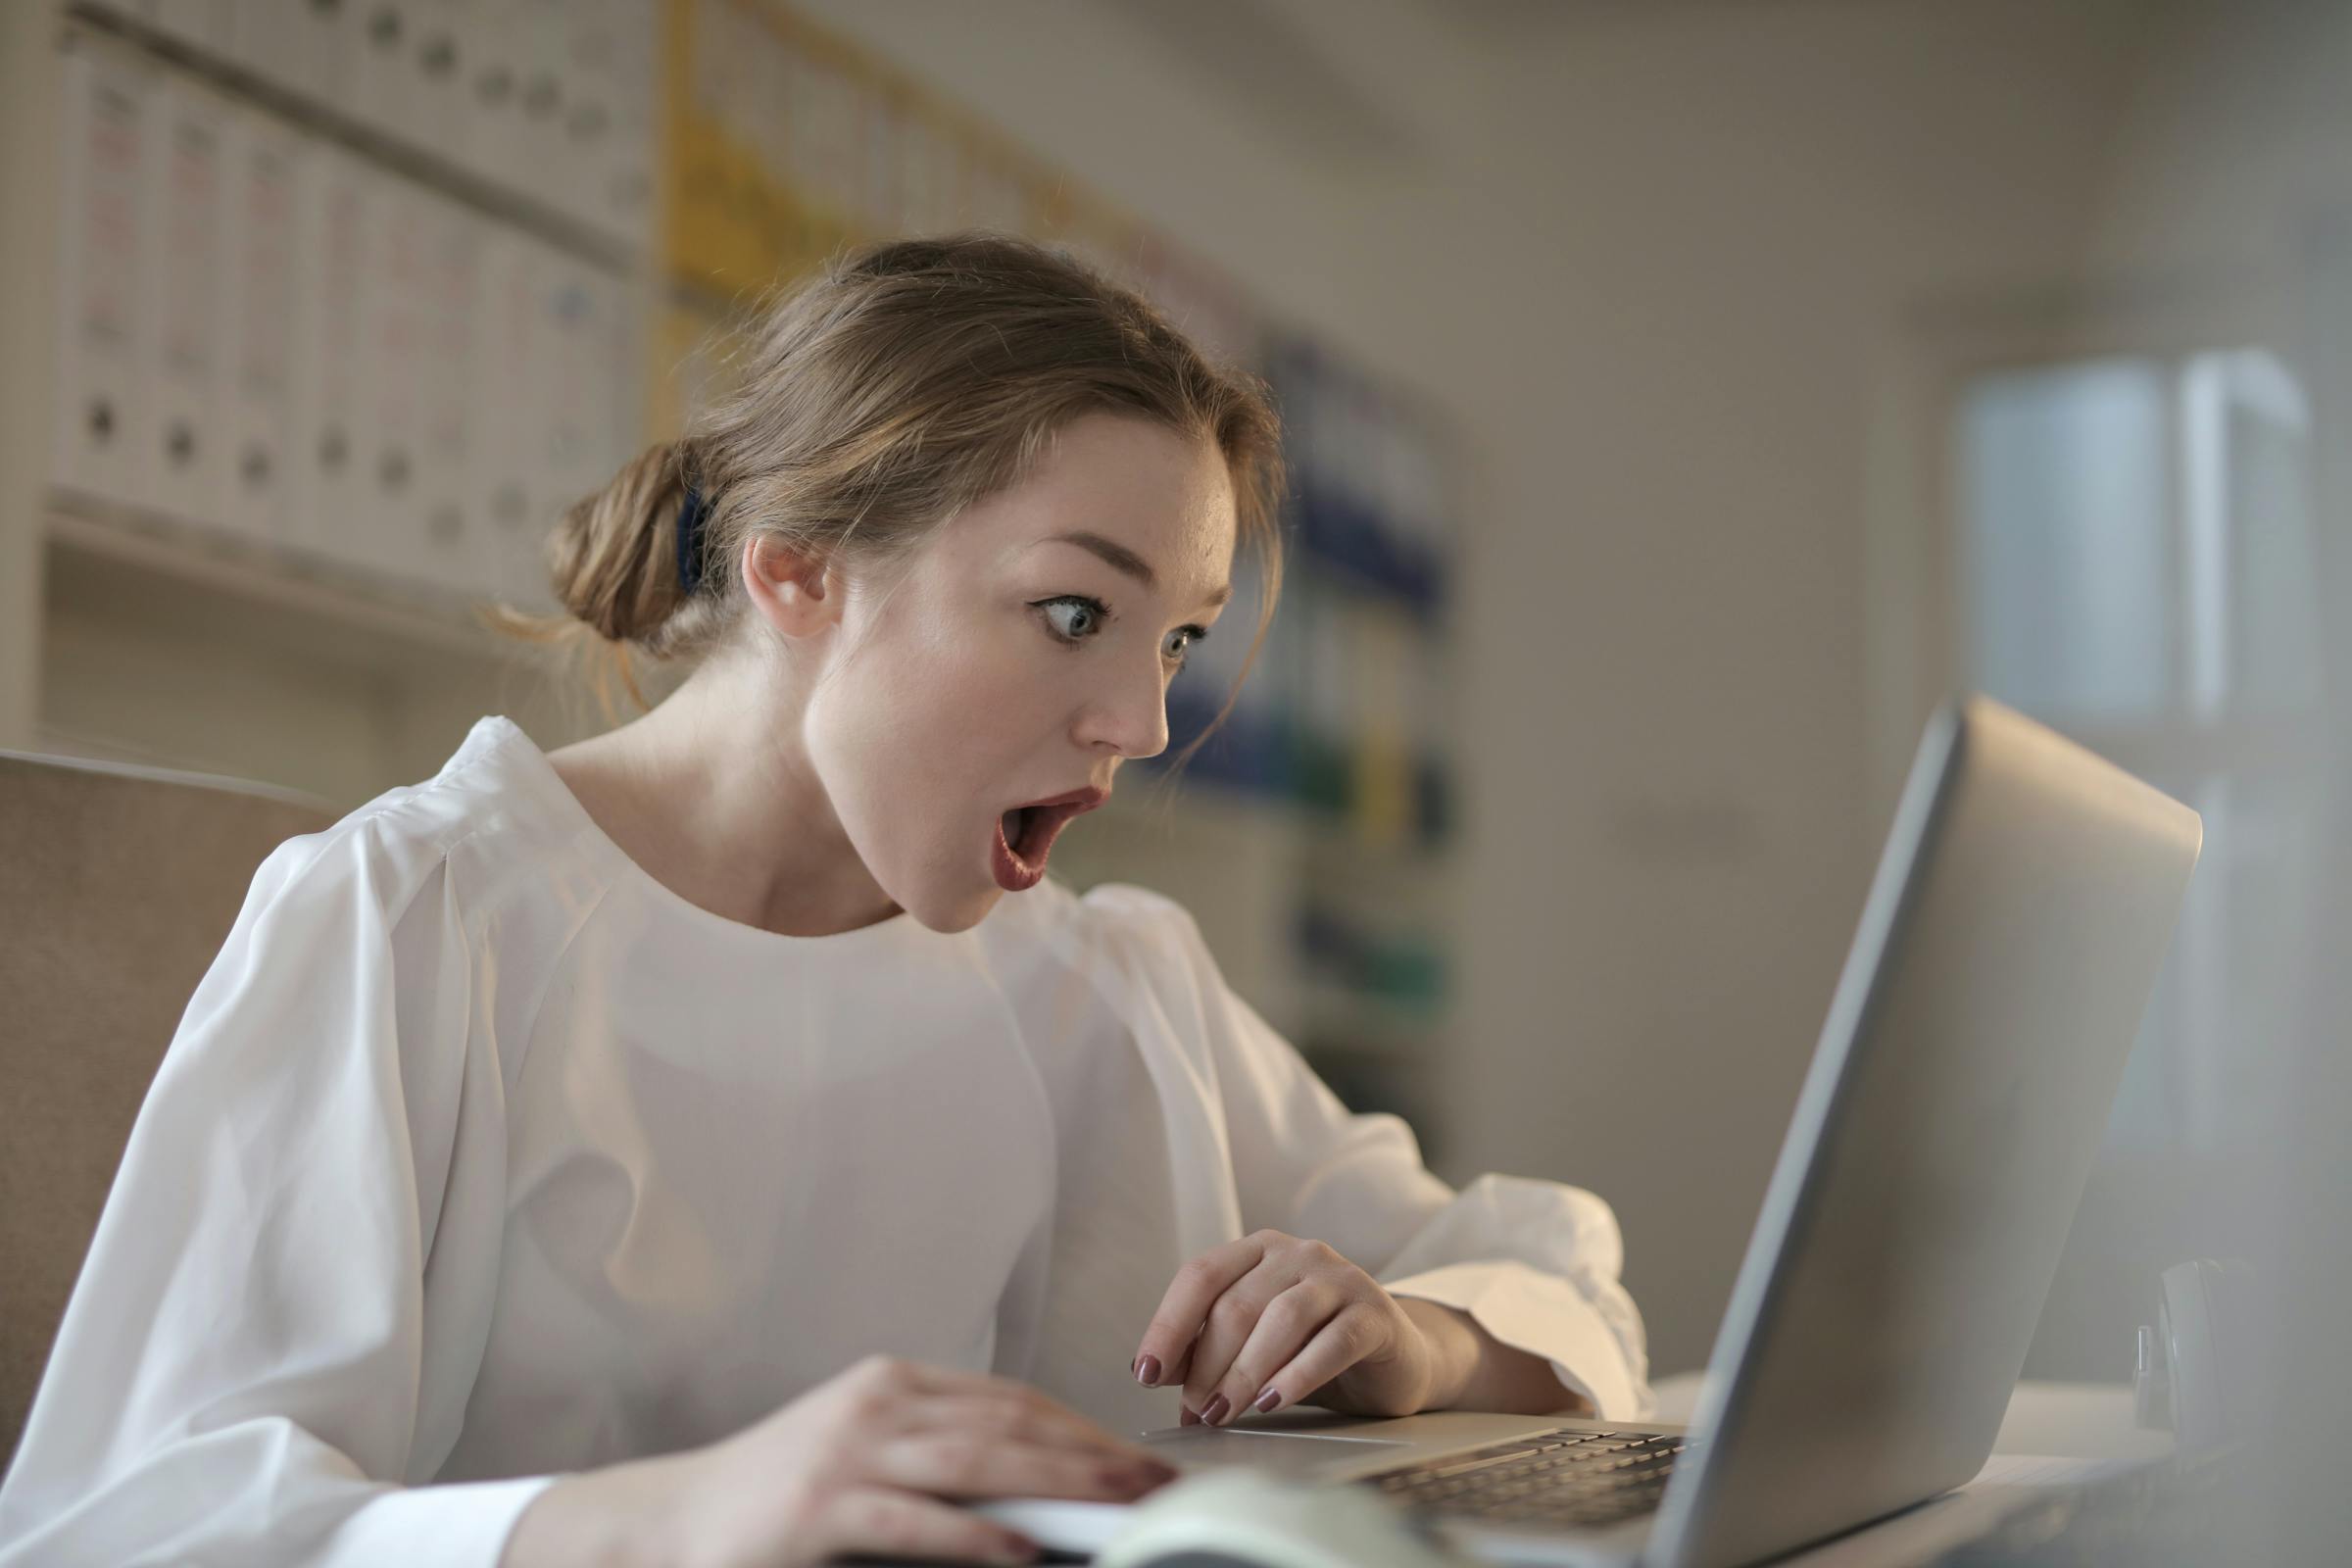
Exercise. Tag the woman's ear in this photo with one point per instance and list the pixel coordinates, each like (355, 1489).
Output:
(793, 591)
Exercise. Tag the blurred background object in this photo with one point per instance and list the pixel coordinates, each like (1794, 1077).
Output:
(1683, 396)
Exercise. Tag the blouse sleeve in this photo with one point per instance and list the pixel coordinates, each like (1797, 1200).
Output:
(257, 1360)
(1535, 1263)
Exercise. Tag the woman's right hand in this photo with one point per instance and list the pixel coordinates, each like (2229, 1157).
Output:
(860, 1463)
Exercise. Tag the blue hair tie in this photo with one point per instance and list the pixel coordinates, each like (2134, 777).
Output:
(692, 514)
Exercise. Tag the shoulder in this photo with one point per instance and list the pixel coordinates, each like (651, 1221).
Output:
(1124, 942)
(477, 826)
(1108, 917)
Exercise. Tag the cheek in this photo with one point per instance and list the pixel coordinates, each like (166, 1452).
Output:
(969, 689)
(908, 740)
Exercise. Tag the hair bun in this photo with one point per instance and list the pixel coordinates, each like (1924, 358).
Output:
(612, 559)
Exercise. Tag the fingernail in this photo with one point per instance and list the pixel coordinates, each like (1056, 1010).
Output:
(1268, 1399)
(1147, 1370)
(1122, 1476)
(1214, 1410)
(1188, 1419)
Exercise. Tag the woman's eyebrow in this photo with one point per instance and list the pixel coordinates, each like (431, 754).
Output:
(1121, 559)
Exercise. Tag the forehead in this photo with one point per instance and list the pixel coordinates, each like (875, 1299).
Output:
(1168, 499)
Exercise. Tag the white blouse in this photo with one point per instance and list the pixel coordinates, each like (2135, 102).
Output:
(480, 1158)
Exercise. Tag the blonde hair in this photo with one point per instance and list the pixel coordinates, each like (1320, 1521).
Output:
(904, 382)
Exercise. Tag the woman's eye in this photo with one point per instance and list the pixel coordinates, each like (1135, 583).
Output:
(1073, 618)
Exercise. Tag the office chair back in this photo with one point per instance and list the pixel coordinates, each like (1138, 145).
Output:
(117, 886)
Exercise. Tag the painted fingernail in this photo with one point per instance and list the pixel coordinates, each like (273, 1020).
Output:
(1268, 1399)
(1188, 1419)
(1147, 1370)
(1215, 1409)
(1122, 1476)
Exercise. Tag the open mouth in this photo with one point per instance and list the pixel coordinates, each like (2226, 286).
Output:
(1025, 838)
(1017, 824)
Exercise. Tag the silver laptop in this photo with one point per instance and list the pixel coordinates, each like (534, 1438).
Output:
(1912, 1227)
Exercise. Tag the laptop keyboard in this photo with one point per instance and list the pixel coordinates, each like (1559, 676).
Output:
(1565, 1477)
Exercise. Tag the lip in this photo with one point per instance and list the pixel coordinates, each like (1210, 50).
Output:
(1084, 800)
(1015, 874)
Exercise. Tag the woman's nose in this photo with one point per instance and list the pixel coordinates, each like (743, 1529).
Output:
(1132, 720)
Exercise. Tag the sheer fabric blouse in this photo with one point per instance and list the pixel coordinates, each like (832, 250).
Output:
(481, 1158)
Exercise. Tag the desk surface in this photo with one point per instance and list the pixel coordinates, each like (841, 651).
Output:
(2054, 1434)
(2070, 1420)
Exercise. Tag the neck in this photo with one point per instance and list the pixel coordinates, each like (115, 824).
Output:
(713, 794)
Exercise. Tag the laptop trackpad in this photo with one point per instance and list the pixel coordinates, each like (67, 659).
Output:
(1281, 1450)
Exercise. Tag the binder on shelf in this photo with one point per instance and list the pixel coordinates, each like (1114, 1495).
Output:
(542, 43)
(706, 217)
(439, 108)
(260, 283)
(1415, 486)
(825, 123)
(1380, 652)
(755, 87)
(100, 437)
(453, 545)
(200, 25)
(1322, 774)
(187, 209)
(1249, 751)
(608, 118)
(627, 402)
(385, 83)
(394, 347)
(698, 362)
(511, 418)
(332, 240)
(585, 385)
(309, 50)
(582, 125)
(560, 399)
(267, 37)
(625, 179)
(493, 57)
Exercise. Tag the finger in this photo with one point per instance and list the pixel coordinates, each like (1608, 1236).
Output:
(1039, 1423)
(881, 1522)
(1289, 1323)
(971, 1464)
(1184, 1308)
(890, 1381)
(1352, 1334)
(1232, 1318)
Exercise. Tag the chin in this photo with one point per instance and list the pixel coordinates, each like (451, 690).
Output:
(961, 915)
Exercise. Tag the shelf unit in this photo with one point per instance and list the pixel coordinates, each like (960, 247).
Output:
(154, 635)
(1312, 842)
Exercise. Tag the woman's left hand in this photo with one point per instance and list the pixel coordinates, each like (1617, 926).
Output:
(1272, 1320)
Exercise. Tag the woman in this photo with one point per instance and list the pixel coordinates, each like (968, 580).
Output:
(678, 1147)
